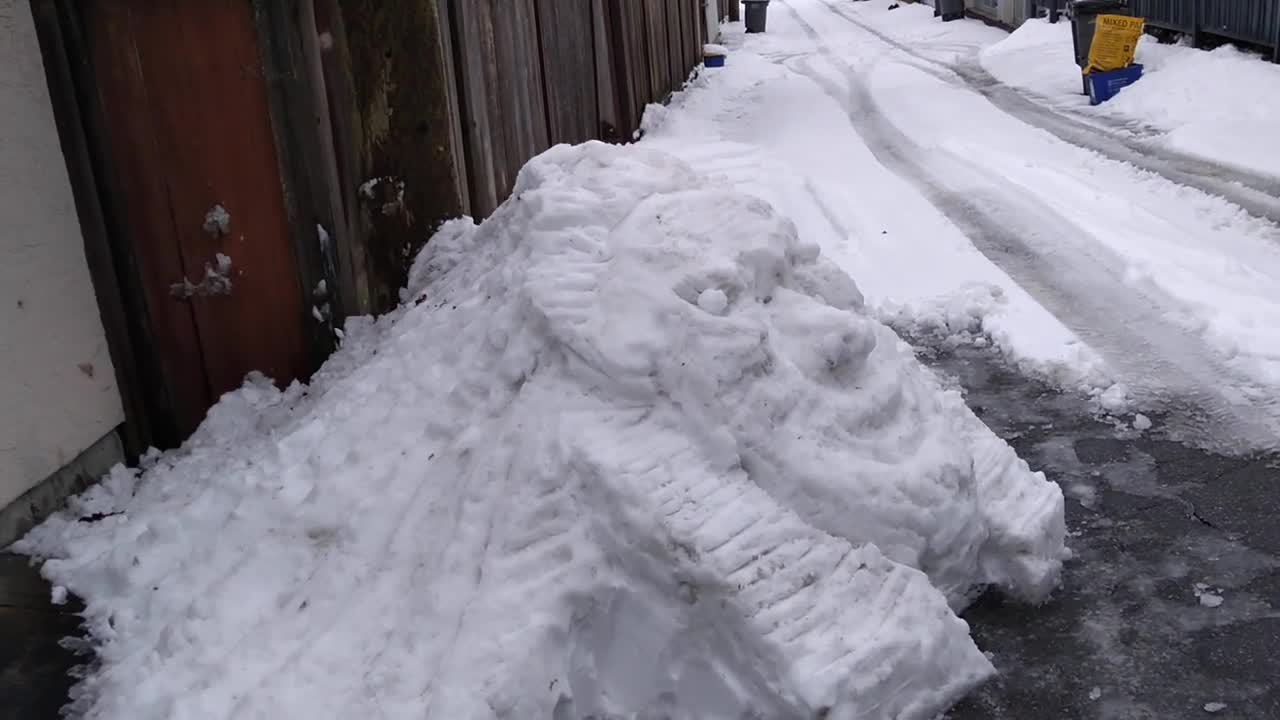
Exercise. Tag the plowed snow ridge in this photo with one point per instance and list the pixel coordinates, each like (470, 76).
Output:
(631, 445)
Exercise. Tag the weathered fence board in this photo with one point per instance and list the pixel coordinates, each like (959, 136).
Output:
(535, 72)
(502, 105)
(624, 19)
(393, 108)
(606, 87)
(659, 60)
(567, 32)
(677, 48)
(522, 97)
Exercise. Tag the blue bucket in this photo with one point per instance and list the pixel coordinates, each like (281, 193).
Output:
(1104, 86)
(714, 61)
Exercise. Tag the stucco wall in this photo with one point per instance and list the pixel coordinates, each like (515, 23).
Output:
(57, 388)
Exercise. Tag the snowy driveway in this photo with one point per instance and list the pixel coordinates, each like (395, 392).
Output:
(1087, 253)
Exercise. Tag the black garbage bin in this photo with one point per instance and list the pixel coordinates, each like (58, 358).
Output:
(757, 12)
(949, 9)
(1084, 20)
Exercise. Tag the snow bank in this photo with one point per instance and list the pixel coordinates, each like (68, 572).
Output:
(630, 445)
(1039, 57)
(1220, 105)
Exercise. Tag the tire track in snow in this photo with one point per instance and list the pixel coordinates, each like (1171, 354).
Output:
(1164, 366)
(1257, 194)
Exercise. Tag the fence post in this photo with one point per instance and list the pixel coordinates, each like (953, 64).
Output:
(1054, 11)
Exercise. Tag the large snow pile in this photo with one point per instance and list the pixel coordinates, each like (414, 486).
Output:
(1220, 105)
(631, 445)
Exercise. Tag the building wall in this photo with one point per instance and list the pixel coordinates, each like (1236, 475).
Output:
(58, 394)
(1010, 13)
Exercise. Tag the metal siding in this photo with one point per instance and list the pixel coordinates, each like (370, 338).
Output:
(1250, 21)
(1179, 15)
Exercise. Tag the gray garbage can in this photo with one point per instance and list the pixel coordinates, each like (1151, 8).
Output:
(1084, 20)
(757, 12)
(949, 9)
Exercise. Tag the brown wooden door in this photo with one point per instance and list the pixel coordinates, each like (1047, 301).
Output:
(188, 127)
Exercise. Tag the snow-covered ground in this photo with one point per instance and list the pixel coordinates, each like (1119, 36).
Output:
(769, 124)
(876, 131)
(631, 445)
(1220, 105)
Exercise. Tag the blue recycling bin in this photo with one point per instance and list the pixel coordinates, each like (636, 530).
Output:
(1104, 85)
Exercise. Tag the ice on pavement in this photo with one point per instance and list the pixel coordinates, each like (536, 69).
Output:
(630, 445)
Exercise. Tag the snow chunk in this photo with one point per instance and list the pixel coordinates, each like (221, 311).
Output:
(58, 595)
(1207, 595)
(1114, 398)
(1215, 707)
(562, 487)
(713, 300)
(217, 222)
(1141, 422)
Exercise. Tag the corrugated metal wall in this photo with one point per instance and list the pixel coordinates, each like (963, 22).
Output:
(1250, 21)
(1256, 22)
(1179, 15)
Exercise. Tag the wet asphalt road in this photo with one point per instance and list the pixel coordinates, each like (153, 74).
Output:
(34, 665)
(1170, 604)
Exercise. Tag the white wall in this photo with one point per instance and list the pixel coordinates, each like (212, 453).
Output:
(57, 387)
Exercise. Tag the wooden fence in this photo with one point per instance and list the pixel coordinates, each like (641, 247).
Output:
(534, 73)
(342, 133)
(437, 104)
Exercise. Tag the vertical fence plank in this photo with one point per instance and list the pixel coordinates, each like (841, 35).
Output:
(522, 98)
(643, 79)
(699, 33)
(607, 102)
(617, 20)
(676, 46)
(659, 55)
(392, 102)
(486, 151)
(567, 33)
